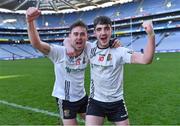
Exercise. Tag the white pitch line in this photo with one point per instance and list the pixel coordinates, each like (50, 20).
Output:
(33, 109)
(11, 76)
(29, 108)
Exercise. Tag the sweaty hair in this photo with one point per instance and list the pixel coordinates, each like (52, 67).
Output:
(78, 23)
(103, 20)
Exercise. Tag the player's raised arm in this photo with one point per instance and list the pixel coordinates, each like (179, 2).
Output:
(147, 56)
(31, 15)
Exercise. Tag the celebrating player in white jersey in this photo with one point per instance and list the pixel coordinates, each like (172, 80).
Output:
(106, 89)
(69, 72)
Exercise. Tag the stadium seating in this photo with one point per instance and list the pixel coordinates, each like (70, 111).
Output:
(127, 19)
(170, 43)
(18, 51)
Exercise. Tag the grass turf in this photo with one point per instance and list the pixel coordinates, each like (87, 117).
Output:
(152, 92)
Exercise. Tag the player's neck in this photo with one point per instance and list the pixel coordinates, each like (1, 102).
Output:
(102, 46)
(78, 52)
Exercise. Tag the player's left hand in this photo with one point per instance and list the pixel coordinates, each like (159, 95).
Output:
(148, 26)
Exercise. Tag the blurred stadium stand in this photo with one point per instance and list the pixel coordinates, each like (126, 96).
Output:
(127, 19)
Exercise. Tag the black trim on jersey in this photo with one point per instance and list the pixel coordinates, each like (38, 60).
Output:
(93, 52)
(102, 48)
(92, 89)
(79, 54)
(74, 59)
(66, 89)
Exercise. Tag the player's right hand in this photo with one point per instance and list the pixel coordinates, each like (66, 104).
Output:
(32, 13)
(115, 43)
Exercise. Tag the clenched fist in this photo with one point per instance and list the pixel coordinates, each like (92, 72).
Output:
(148, 26)
(32, 13)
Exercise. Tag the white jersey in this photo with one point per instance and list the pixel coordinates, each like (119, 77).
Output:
(69, 74)
(107, 72)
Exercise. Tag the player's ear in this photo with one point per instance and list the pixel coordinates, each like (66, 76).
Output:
(69, 35)
(94, 33)
(87, 37)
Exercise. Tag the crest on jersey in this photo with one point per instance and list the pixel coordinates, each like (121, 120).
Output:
(101, 57)
(78, 61)
(109, 57)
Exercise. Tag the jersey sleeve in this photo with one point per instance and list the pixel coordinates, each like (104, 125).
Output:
(56, 53)
(127, 53)
(90, 48)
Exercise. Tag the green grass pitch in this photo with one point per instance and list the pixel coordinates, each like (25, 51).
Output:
(152, 92)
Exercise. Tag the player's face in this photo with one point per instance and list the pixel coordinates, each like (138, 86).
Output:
(78, 36)
(103, 35)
